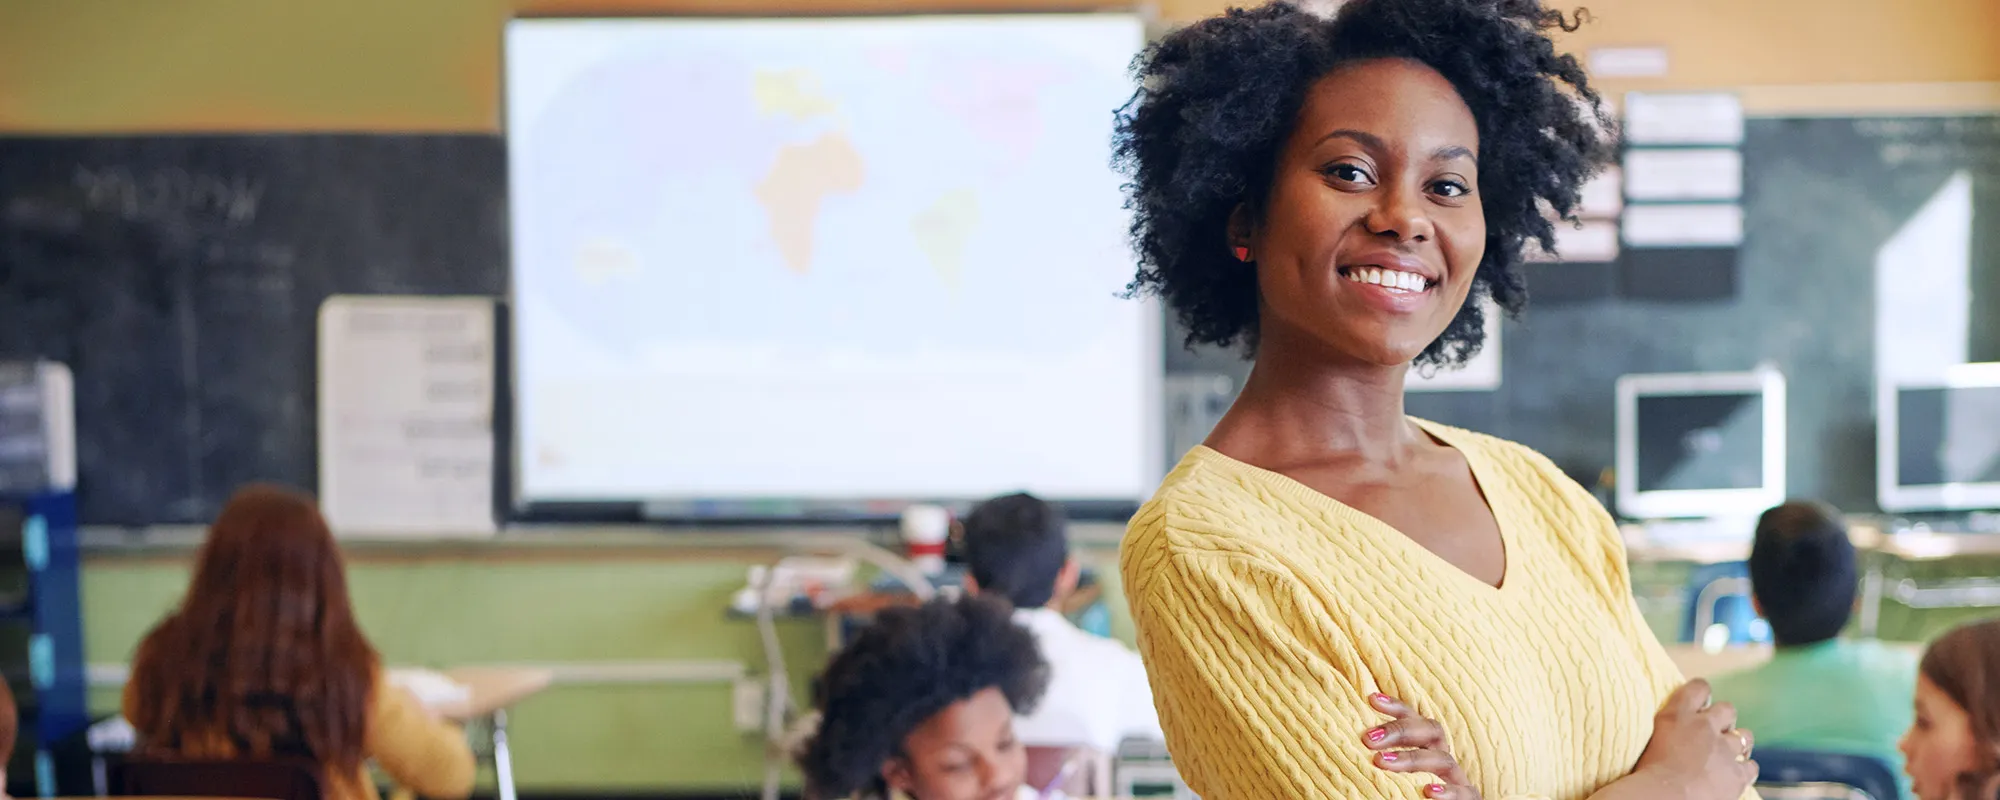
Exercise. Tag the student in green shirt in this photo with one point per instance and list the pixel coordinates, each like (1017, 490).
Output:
(1818, 691)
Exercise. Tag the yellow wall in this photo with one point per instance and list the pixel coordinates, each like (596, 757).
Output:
(95, 66)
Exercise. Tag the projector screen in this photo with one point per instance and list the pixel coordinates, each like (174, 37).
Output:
(857, 259)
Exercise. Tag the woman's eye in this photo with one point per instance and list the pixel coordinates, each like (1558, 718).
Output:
(1451, 189)
(1349, 173)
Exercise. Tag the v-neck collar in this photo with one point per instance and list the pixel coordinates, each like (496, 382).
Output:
(1492, 485)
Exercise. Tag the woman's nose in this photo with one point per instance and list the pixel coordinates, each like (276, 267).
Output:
(1400, 213)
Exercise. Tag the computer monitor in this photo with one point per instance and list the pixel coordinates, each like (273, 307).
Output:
(1938, 441)
(1700, 445)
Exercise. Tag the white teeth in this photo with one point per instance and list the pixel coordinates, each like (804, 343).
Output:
(1389, 279)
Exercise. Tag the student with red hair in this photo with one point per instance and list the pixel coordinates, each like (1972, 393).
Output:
(263, 660)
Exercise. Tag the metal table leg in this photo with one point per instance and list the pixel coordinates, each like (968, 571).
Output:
(1871, 601)
(503, 761)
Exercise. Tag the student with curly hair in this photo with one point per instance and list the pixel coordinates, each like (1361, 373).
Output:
(922, 702)
(1337, 195)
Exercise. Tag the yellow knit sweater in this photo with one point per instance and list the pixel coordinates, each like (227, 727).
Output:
(1267, 612)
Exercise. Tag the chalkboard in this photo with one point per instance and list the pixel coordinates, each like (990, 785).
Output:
(1821, 198)
(180, 278)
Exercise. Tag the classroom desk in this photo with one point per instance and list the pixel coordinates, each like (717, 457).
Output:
(1695, 662)
(1896, 550)
(493, 690)
(1641, 544)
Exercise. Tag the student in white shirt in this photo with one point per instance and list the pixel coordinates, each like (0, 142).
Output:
(1017, 548)
(921, 705)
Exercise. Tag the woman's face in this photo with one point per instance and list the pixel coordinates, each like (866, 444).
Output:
(1939, 746)
(1368, 241)
(965, 752)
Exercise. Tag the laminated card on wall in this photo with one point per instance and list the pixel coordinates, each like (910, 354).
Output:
(406, 390)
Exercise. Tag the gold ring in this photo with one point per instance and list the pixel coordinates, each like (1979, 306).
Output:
(1745, 739)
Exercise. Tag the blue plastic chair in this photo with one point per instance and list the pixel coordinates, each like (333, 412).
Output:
(1732, 610)
(1867, 773)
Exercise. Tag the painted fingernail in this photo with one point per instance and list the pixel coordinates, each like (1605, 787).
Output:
(1389, 758)
(1377, 735)
(1436, 790)
(1380, 699)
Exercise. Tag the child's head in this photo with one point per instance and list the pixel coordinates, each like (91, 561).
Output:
(1953, 749)
(1017, 547)
(263, 657)
(923, 702)
(1802, 572)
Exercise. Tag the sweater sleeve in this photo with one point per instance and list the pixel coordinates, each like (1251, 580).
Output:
(1661, 670)
(425, 755)
(1252, 704)
(1249, 711)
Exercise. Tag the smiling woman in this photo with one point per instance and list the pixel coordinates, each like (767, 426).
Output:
(1329, 193)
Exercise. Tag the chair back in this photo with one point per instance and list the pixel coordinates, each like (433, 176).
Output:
(283, 779)
(1870, 775)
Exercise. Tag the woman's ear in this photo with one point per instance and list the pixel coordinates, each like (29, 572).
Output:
(896, 773)
(1241, 234)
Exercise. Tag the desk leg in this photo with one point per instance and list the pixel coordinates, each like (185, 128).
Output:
(503, 761)
(1871, 601)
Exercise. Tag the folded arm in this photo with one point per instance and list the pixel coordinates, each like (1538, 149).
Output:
(1250, 708)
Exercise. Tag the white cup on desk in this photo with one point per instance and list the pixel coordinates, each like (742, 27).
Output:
(925, 528)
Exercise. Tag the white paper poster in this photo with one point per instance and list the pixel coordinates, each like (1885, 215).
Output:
(1677, 118)
(1603, 195)
(406, 390)
(1585, 242)
(1480, 374)
(1627, 62)
(1684, 225)
(1702, 173)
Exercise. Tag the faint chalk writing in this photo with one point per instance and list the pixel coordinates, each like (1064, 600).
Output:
(1957, 142)
(169, 194)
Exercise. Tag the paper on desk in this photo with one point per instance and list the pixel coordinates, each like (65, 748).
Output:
(406, 390)
(431, 688)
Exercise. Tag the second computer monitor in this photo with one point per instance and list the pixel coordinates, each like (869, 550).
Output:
(1939, 441)
(1695, 445)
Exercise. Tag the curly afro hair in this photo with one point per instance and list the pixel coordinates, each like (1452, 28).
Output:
(907, 666)
(1218, 98)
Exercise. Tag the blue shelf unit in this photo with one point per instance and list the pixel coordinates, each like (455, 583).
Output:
(56, 711)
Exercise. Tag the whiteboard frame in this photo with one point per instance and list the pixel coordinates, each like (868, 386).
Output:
(513, 450)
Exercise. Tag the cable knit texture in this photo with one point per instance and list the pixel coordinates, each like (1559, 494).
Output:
(1267, 612)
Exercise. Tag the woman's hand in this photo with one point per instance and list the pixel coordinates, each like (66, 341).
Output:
(1410, 743)
(1697, 746)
